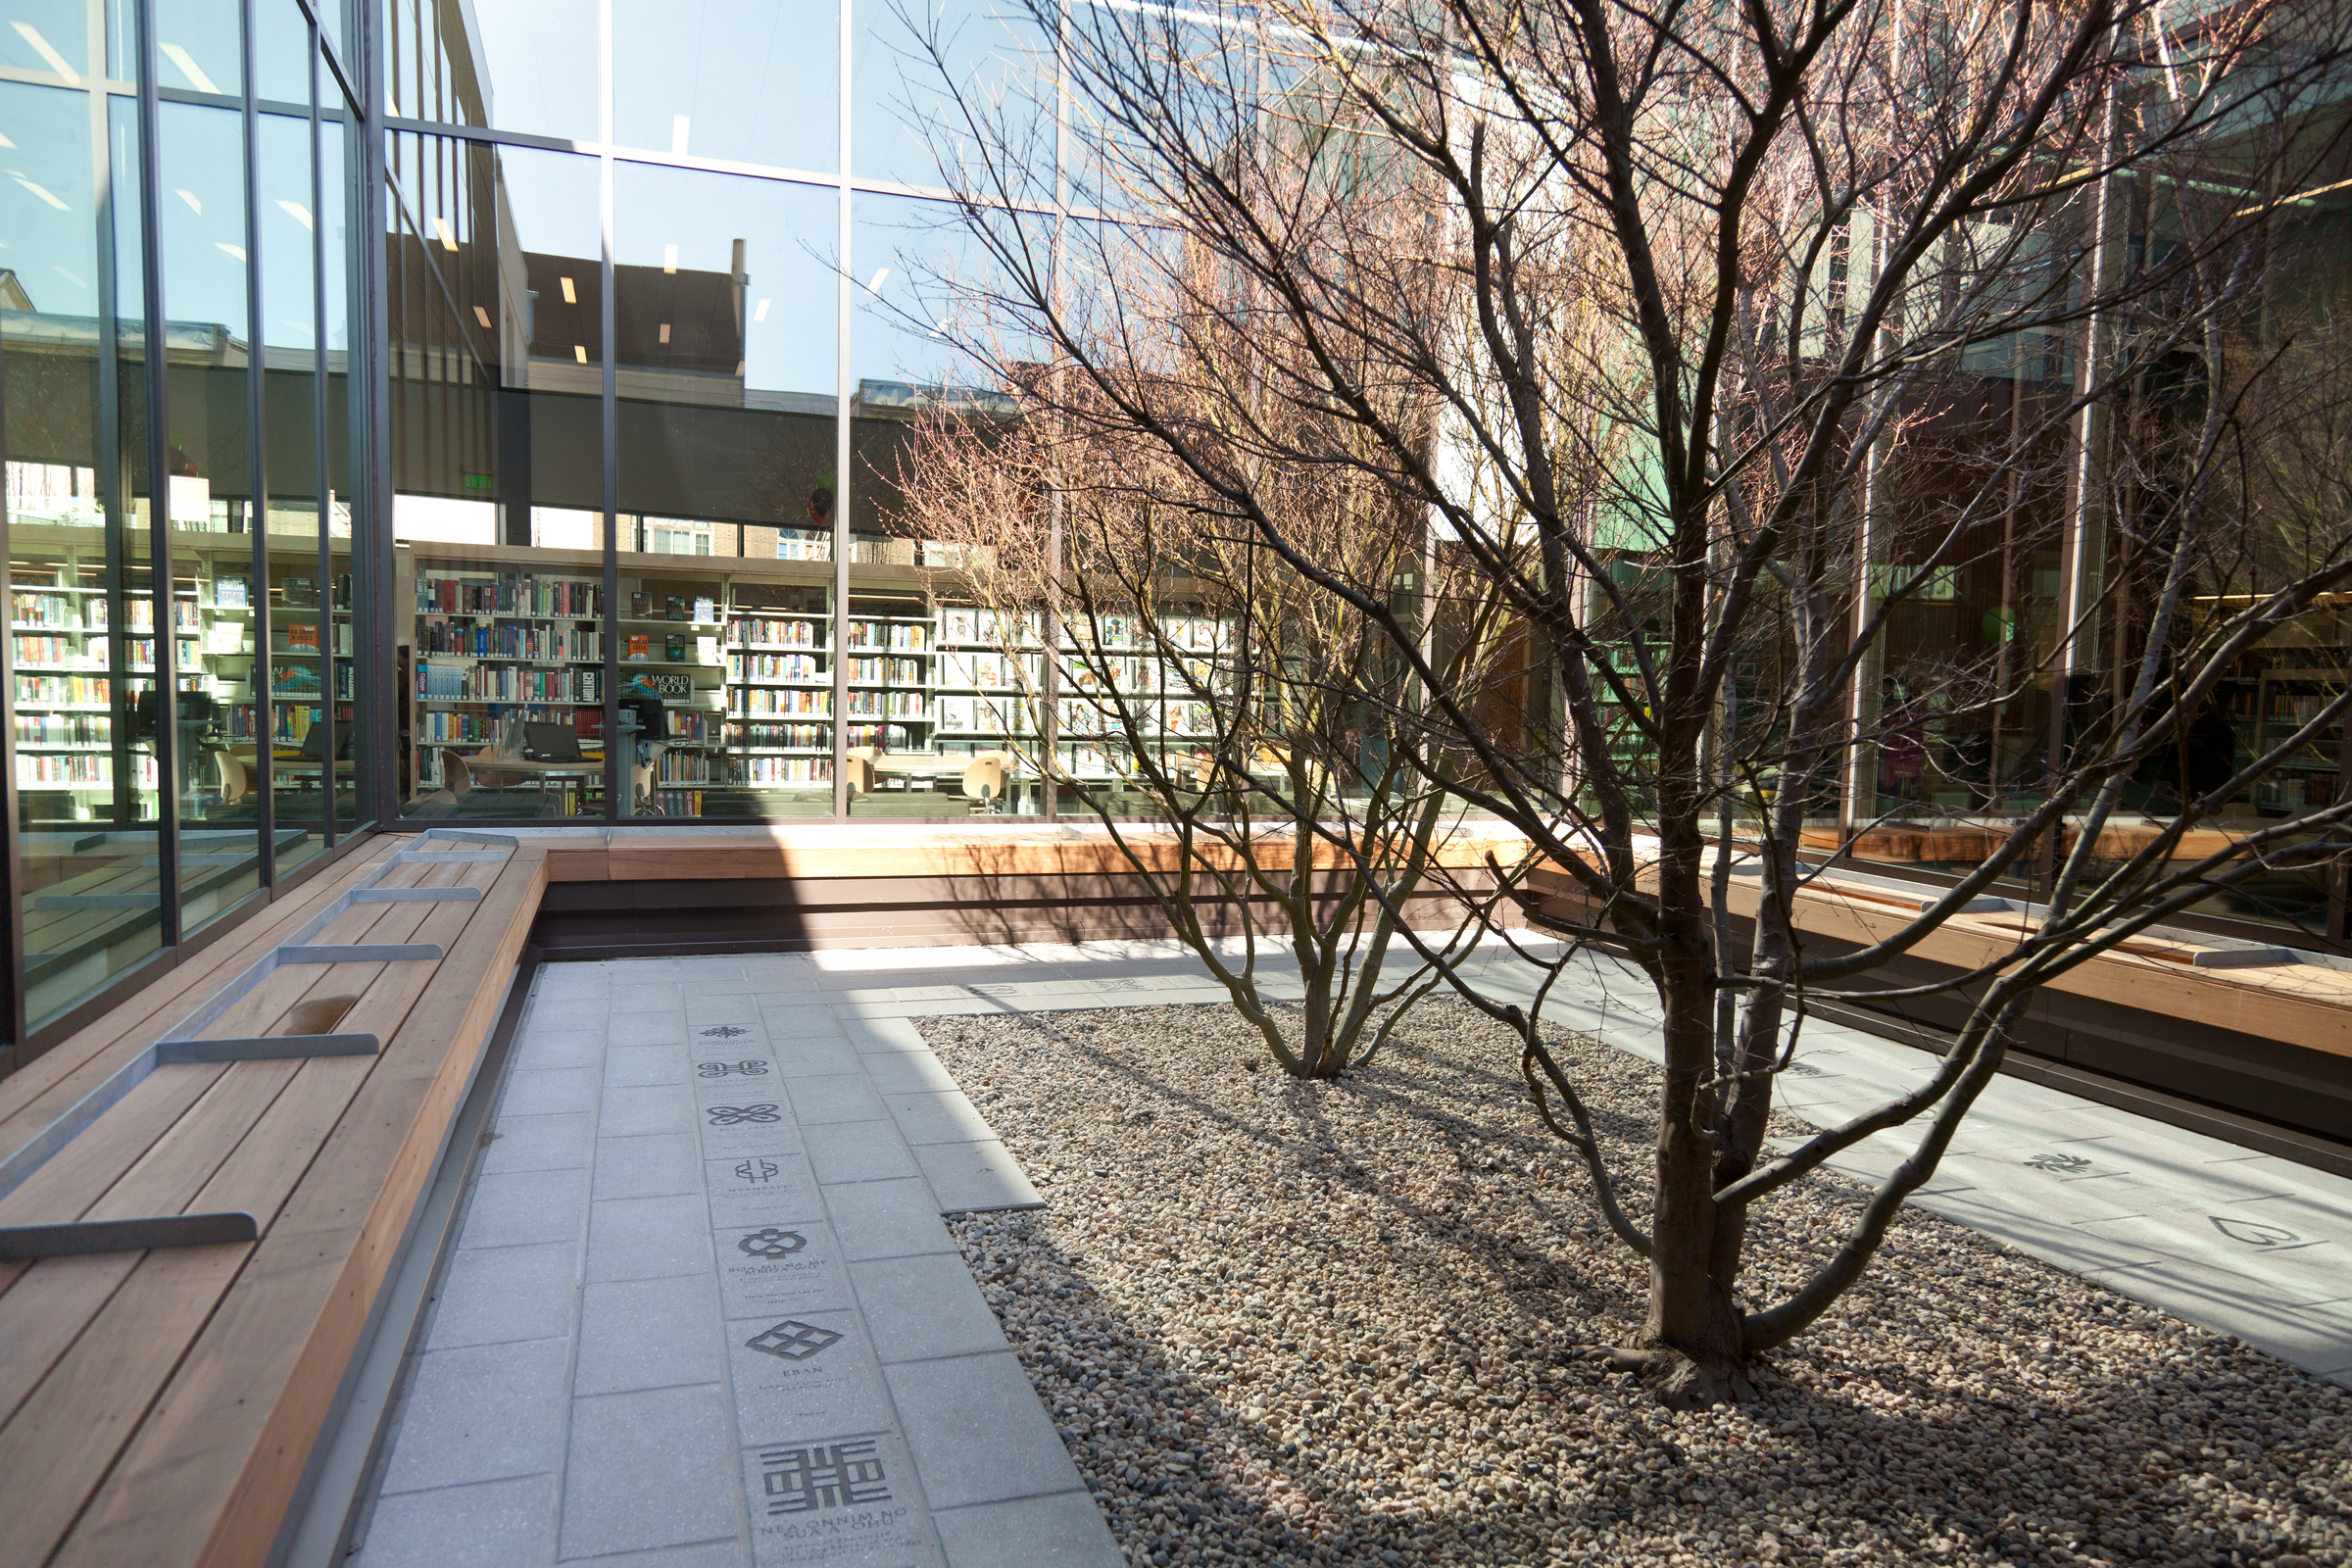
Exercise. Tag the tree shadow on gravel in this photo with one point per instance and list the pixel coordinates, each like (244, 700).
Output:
(1330, 1325)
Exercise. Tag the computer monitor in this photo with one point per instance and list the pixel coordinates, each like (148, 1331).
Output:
(550, 743)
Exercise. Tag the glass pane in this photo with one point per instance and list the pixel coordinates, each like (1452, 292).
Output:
(282, 53)
(208, 499)
(84, 787)
(200, 44)
(941, 89)
(284, 606)
(498, 511)
(725, 303)
(748, 81)
(513, 65)
(340, 584)
(51, 36)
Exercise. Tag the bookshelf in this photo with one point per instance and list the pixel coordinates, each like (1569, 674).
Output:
(84, 657)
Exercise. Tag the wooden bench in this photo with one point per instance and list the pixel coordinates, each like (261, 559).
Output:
(158, 1407)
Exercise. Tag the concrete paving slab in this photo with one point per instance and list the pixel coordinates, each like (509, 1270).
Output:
(648, 1470)
(502, 1294)
(495, 1524)
(484, 1412)
(976, 1177)
(645, 1334)
(920, 1308)
(860, 1151)
(976, 1431)
(560, 1142)
(946, 1117)
(1061, 1531)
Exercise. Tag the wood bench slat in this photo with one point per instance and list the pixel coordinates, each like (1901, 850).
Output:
(227, 1439)
(43, 1088)
(70, 1430)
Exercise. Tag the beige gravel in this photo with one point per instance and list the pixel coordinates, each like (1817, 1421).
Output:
(1341, 1323)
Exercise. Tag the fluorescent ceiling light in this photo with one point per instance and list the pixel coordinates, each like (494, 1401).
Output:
(482, 316)
(194, 206)
(9, 145)
(678, 126)
(42, 191)
(579, 352)
(297, 211)
(760, 314)
(189, 68)
(669, 258)
(874, 284)
(237, 251)
(40, 47)
(664, 332)
(68, 277)
(569, 298)
(449, 241)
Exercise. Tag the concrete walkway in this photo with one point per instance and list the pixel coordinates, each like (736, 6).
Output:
(703, 1309)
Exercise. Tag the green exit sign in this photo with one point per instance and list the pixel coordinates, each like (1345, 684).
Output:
(477, 481)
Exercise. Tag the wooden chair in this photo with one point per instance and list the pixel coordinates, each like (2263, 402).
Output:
(860, 765)
(983, 782)
(234, 776)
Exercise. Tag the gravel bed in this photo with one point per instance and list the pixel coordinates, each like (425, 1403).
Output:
(1342, 1324)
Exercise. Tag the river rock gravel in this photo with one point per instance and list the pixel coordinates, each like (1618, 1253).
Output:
(1345, 1323)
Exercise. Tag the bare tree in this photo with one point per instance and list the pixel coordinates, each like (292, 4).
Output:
(1718, 342)
(1208, 699)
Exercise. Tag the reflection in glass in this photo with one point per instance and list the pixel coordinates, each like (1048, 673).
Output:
(282, 53)
(511, 65)
(752, 81)
(200, 45)
(52, 35)
(492, 258)
(941, 89)
(206, 651)
(285, 623)
(724, 299)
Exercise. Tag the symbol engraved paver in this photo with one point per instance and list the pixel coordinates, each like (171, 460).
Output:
(757, 1170)
(792, 1339)
(720, 1069)
(2253, 1235)
(2065, 1163)
(823, 1474)
(737, 1115)
(771, 1241)
(724, 1031)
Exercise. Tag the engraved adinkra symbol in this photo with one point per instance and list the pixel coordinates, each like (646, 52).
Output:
(792, 1339)
(736, 1115)
(757, 1170)
(835, 1475)
(2065, 1165)
(771, 1241)
(724, 1031)
(2253, 1235)
(719, 1069)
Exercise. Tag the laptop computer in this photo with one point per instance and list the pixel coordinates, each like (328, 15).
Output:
(550, 743)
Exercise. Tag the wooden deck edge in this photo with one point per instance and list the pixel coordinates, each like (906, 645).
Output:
(256, 1506)
(2249, 1000)
(209, 1474)
(51, 1083)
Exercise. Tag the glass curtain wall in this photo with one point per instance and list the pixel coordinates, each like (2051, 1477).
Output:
(615, 234)
(175, 279)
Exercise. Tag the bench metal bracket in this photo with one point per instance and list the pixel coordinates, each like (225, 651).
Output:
(297, 949)
(80, 1238)
(358, 953)
(265, 1048)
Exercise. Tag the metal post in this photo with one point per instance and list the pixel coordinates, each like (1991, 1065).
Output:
(617, 772)
(842, 388)
(159, 486)
(256, 410)
(2082, 551)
